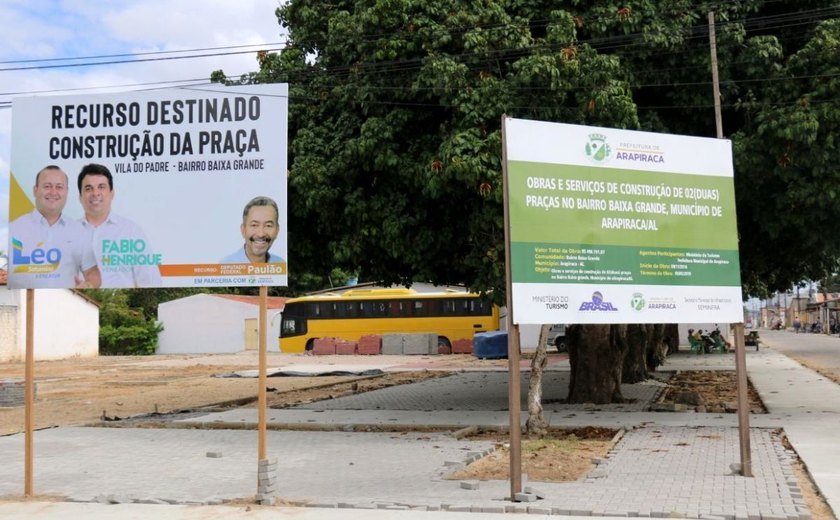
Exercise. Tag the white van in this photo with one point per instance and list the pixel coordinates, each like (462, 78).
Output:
(557, 337)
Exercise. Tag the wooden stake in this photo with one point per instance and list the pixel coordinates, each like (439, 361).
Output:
(743, 401)
(514, 390)
(740, 347)
(263, 379)
(29, 393)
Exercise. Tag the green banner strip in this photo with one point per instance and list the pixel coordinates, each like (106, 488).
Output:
(589, 205)
(535, 262)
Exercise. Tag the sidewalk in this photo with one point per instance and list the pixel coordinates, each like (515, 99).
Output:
(667, 463)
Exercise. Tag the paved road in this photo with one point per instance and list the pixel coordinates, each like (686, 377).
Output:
(816, 351)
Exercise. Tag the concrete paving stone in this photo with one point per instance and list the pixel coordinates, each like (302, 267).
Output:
(683, 461)
(473, 391)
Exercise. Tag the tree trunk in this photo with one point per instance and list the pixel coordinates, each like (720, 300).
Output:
(596, 355)
(671, 337)
(635, 362)
(657, 350)
(537, 425)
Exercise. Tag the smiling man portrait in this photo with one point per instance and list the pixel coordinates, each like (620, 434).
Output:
(259, 229)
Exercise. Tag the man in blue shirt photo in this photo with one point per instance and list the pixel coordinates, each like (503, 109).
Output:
(259, 230)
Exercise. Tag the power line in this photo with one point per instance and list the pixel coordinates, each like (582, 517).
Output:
(805, 17)
(149, 53)
(142, 60)
(623, 42)
(79, 89)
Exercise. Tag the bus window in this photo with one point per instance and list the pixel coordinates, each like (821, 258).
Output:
(292, 326)
(449, 307)
(380, 309)
(313, 309)
(420, 308)
(351, 309)
(399, 308)
(476, 307)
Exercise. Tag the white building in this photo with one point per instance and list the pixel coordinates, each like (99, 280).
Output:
(216, 324)
(66, 325)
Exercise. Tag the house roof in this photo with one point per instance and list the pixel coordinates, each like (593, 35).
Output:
(825, 297)
(274, 302)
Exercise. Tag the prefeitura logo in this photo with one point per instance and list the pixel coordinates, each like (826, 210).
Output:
(597, 149)
(637, 301)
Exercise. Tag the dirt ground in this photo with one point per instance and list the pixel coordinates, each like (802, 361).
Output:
(84, 391)
(717, 389)
(562, 456)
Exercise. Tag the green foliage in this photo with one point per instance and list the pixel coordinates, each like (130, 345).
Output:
(396, 106)
(830, 284)
(786, 159)
(123, 330)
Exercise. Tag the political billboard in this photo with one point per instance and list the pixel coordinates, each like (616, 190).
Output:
(620, 226)
(177, 187)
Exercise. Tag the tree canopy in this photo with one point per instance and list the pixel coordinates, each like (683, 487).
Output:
(396, 105)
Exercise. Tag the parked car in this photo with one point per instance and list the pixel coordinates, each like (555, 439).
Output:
(557, 337)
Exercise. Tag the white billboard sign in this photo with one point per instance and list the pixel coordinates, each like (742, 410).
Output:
(620, 226)
(162, 188)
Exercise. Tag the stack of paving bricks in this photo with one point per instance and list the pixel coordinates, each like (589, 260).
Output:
(369, 345)
(323, 347)
(462, 346)
(267, 482)
(12, 392)
(423, 344)
(345, 347)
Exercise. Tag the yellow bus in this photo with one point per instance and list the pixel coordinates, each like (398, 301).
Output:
(359, 312)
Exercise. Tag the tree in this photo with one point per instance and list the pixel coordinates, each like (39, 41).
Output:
(596, 354)
(536, 425)
(123, 330)
(788, 180)
(395, 110)
(831, 283)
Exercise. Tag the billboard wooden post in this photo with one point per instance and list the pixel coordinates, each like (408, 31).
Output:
(29, 396)
(740, 347)
(263, 379)
(514, 388)
(743, 401)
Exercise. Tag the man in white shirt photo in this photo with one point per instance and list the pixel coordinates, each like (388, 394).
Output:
(50, 250)
(123, 253)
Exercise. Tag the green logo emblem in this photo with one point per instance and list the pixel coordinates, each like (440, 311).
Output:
(638, 301)
(597, 148)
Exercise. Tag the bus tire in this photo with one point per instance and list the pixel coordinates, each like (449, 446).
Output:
(444, 345)
(310, 344)
(560, 344)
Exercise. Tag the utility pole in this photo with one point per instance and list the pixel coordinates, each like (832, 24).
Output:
(740, 347)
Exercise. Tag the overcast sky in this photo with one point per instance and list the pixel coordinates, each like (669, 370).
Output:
(60, 29)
